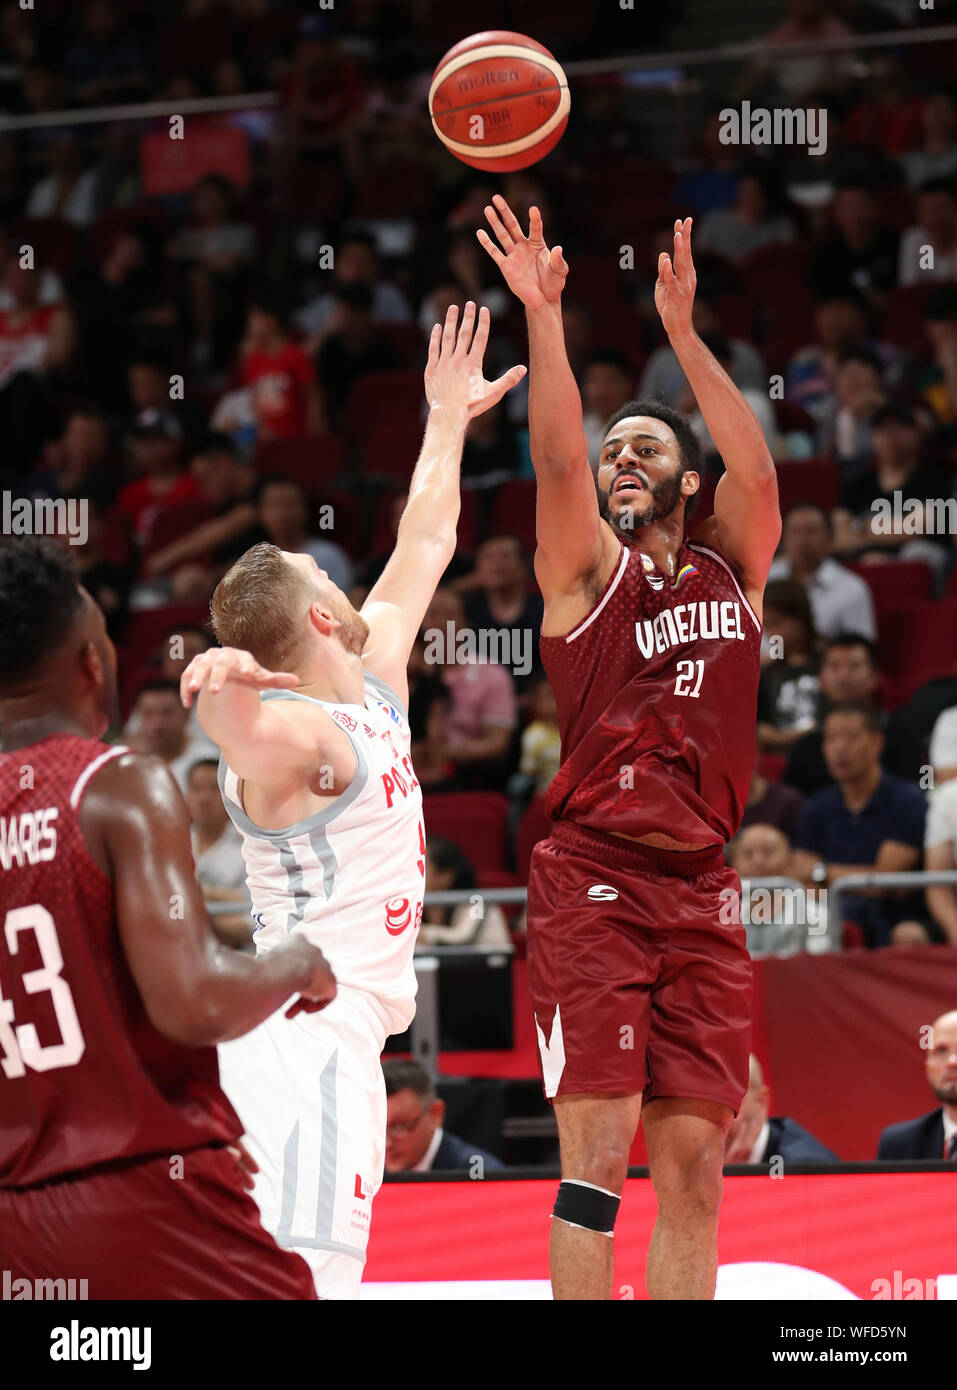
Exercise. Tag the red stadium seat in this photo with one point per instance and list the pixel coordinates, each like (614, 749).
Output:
(916, 642)
(315, 461)
(595, 279)
(788, 415)
(396, 188)
(173, 522)
(807, 480)
(616, 326)
(407, 341)
(475, 821)
(53, 240)
(380, 399)
(555, 25)
(383, 537)
(905, 317)
(443, 23)
(734, 315)
(195, 45)
(347, 529)
(144, 630)
(770, 269)
(897, 582)
(772, 765)
(533, 826)
(513, 510)
(390, 451)
(321, 196)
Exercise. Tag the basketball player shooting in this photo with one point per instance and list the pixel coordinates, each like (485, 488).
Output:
(307, 700)
(640, 982)
(120, 1161)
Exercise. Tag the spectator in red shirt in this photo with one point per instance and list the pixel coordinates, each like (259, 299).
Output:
(156, 445)
(35, 339)
(279, 376)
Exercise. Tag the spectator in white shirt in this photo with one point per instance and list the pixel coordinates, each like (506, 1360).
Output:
(66, 191)
(284, 515)
(943, 746)
(356, 262)
(472, 923)
(940, 852)
(218, 854)
(160, 725)
(840, 600)
(929, 249)
(937, 157)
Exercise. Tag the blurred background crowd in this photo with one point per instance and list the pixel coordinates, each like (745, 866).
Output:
(213, 328)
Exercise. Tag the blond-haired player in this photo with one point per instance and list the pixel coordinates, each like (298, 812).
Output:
(307, 700)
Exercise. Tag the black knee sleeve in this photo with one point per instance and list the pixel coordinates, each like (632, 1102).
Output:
(583, 1204)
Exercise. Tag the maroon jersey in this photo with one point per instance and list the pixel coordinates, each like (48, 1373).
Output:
(85, 1078)
(657, 702)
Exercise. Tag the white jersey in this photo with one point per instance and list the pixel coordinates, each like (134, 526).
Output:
(351, 878)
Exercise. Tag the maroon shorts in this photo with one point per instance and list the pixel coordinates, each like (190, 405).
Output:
(638, 970)
(137, 1231)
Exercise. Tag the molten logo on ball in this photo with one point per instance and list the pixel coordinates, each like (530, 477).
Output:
(499, 100)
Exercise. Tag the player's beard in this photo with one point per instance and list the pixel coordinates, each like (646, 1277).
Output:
(946, 1092)
(353, 630)
(665, 496)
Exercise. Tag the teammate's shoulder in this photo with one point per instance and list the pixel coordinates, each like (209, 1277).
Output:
(132, 777)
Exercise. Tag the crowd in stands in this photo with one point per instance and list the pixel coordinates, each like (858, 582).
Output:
(237, 363)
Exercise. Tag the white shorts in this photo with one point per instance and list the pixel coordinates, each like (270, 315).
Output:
(311, 1096)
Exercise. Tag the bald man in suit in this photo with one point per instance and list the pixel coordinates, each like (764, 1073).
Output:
(934, 1135)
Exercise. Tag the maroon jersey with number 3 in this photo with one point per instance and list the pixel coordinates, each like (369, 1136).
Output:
(85, 1078)
(657, 700)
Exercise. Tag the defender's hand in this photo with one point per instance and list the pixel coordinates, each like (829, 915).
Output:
(674, 291)
(535, 274)
(453, 376)
(221, 664)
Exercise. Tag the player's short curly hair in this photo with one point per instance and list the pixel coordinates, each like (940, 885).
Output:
(689, 450)
(40, 600)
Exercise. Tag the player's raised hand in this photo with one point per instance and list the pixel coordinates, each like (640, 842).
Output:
(674, 290)
(535, 274)
(221, 664)
(453, 375)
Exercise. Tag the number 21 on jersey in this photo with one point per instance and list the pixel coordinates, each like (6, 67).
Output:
(688, 672)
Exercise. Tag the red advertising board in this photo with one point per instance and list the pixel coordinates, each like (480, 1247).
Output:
(208, 147)
(822, 1236)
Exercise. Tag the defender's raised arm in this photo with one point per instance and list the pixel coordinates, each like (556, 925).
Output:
(456, 391)
(569, 531)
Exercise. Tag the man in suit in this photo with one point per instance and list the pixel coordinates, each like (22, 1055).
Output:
(933, 1135)
(756, 1137)
(415, 1139)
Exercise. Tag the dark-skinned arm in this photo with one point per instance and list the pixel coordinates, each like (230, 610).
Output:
(747, 517)
(195, 990)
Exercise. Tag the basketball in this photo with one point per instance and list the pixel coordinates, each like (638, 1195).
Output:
(499, 100)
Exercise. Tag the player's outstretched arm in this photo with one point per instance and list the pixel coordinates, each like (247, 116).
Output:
(258, 740)
(456, 391)
(195, 990)
(747, 518)
(569, 531)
